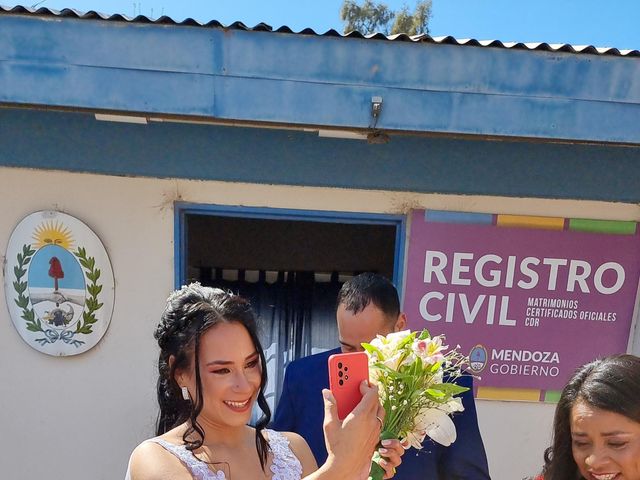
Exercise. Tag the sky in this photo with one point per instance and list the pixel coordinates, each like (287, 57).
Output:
(615, 23)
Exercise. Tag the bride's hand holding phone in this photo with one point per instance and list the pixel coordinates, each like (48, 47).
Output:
(352, 441)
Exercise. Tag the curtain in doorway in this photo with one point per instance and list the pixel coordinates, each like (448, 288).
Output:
(295, 310)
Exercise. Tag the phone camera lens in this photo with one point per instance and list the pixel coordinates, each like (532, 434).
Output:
(346, 377)
(339, 364)
(346, 368)
(340, 373)
(341, 382)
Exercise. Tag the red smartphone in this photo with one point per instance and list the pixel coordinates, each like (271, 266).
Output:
(346, 372)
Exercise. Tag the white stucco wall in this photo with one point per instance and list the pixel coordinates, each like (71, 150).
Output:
(79, 417)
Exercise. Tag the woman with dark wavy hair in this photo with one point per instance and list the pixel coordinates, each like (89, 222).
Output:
(596, 429)
(211, 373)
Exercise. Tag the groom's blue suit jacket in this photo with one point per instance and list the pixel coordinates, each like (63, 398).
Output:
(301, 410)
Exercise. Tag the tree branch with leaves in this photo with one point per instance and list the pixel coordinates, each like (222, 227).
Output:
(373, 17)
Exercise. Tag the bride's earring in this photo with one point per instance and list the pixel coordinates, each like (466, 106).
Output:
(185, 393)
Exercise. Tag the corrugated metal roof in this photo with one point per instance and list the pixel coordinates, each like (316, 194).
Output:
(263, 27)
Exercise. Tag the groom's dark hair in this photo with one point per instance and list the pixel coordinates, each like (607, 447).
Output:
(358, 292)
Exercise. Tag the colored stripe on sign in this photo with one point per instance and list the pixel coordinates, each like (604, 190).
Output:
(520, 394)
(522, 221)
(603, 226)
(458, 217)
(552, 396)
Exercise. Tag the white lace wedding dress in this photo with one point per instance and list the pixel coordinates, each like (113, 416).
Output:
(285, 465)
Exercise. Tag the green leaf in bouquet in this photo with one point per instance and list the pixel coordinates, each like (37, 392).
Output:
(376, 472)
(435, 393)
(388, 370)
(372, 350)
(451, 389)
(447, 391)
(402, 374)
(417, 395)
(408, 340)
(424, 335)
(435, 367)
(416, 368)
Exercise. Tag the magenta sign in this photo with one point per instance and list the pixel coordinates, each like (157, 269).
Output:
(529, 305)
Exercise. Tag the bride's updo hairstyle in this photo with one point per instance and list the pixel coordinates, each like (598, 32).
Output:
(189, 313)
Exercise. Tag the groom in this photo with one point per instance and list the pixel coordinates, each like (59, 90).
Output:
(368, 305)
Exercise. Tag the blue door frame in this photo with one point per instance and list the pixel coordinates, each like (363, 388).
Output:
(183, 209)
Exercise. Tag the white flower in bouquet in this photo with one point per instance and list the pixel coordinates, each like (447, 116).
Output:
(435, 423)
(453, 405)
(410, 369)
(430, 351)
(388, 345)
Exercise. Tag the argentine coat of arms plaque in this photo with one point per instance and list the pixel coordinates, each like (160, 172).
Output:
(58, 284)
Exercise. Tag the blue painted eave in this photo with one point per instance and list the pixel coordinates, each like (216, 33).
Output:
(401, 37)
(261, 76)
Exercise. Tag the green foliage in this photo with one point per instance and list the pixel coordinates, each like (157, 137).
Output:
(372, 350)
(413, 23)
(376, 471)
(449, 389)
(372, 17)
(368, 18)
(415, 377)
(91, 303)
(33, 323)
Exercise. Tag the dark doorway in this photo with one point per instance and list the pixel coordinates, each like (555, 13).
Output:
(290, 266)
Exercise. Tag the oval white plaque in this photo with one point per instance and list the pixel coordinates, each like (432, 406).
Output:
(58, 283)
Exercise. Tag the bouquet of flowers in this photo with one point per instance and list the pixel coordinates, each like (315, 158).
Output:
(410, 369)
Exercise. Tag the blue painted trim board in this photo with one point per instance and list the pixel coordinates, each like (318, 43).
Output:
(77, 142)
(399, 259)
(179, 247)
(269, 213)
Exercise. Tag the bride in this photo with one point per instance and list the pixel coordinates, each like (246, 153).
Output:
(211, 373)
